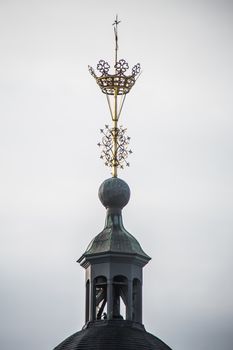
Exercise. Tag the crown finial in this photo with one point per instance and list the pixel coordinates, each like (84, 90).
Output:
(115, 142)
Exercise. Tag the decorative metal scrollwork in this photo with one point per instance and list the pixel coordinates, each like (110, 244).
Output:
(92, 72)
(136, 69)
(118, 83)
(107, 144)
(121, 66)
(103, 67)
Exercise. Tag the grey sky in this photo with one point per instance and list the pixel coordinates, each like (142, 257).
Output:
(179, 115)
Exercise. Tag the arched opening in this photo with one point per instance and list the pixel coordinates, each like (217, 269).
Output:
(87, 301)
(137, 300)
(100, 297)
(120, 297)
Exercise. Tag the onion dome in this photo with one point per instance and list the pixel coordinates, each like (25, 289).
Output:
(114, 193)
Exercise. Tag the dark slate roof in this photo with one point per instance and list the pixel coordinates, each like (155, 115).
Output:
(121, 336)
(114, 238)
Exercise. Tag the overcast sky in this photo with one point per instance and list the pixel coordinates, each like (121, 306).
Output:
(179, 117)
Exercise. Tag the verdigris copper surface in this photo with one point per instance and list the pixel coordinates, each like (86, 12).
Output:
(114, 194)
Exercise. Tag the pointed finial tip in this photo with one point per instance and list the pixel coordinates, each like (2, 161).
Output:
(116, 22)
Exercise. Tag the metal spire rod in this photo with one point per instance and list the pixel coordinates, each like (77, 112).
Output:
(115, 112)
(115, 24)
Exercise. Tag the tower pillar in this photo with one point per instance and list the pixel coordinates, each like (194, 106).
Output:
(129, 301)
(109, 300)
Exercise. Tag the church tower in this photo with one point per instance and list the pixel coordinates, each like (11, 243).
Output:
(114, 259)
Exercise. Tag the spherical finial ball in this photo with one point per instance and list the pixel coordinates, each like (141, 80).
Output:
(114, 193)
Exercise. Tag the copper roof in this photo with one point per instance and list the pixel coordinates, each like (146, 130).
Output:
(114, 239)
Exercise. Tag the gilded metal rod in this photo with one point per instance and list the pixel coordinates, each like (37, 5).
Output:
(116, 47)
(115, 24)
(121, 105)
(114, 170)
(109, 105)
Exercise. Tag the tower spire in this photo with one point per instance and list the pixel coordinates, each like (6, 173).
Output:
(115, 143)
(114, 259)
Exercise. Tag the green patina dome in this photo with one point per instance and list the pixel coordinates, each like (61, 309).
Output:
(114, 238)
(114, 194)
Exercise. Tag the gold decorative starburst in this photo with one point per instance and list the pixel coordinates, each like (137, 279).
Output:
(118, 157)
